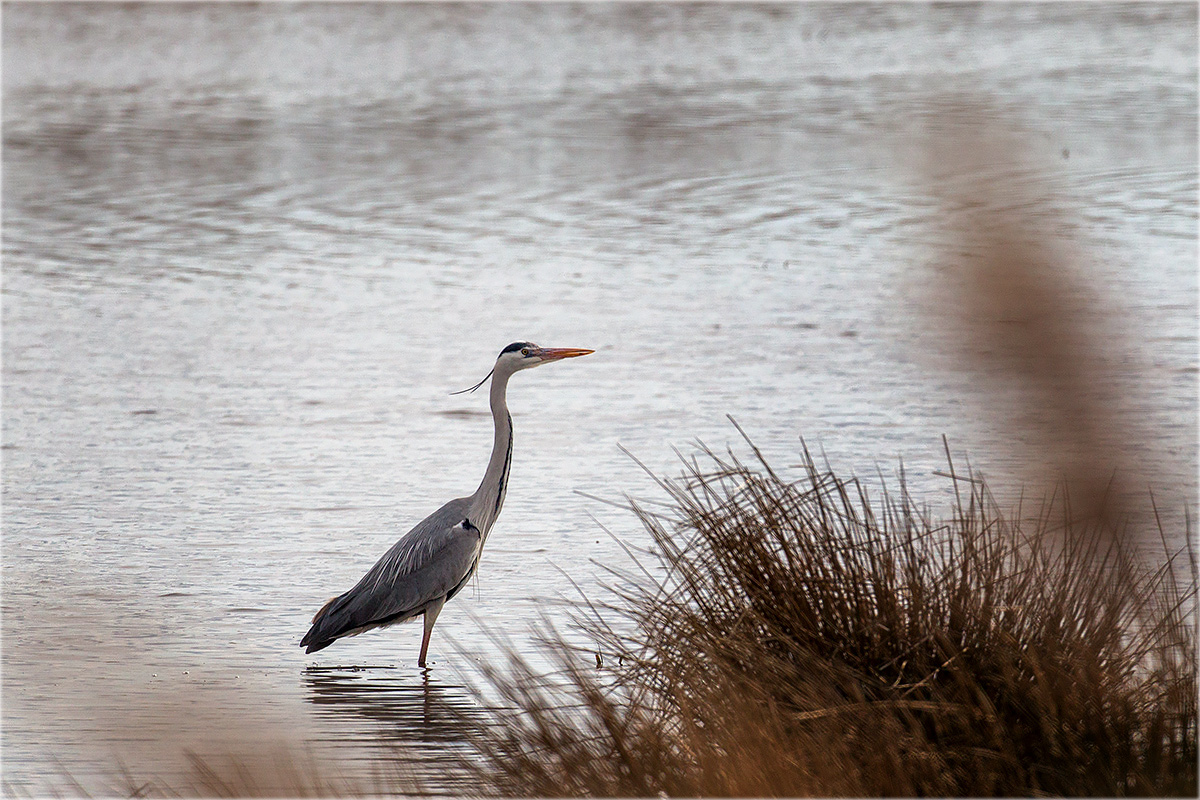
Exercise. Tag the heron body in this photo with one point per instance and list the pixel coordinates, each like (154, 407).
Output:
(433, 561)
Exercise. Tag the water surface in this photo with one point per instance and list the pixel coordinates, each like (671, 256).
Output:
(249, 250)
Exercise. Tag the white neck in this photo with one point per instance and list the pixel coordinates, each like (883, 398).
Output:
(489, 497)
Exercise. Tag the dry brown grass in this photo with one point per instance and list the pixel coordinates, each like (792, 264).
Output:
(796, 638)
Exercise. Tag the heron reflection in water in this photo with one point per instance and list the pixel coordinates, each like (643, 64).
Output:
(431, 711)
(433, 561)
(402, 733)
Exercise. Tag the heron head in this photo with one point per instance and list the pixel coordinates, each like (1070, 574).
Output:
(524, 355)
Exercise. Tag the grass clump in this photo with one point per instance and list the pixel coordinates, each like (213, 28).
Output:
(797, 638)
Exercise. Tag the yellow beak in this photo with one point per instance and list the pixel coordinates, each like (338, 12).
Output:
(556, 353)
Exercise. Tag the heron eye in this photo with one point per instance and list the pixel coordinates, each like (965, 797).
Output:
(525, 352)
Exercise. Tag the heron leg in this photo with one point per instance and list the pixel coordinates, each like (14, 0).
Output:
(431, 614)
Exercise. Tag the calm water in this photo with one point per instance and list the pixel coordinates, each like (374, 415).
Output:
(249, 250)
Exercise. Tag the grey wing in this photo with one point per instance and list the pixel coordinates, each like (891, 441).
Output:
(431, 561)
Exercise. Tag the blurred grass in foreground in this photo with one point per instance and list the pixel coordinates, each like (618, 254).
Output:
(805, 640)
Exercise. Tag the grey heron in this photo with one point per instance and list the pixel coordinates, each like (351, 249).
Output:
(434, 560)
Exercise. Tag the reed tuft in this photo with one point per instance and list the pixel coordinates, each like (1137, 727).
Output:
(798, 638)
